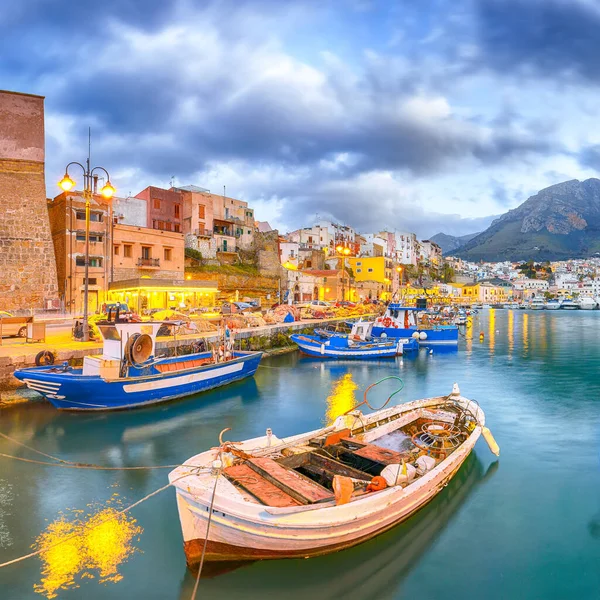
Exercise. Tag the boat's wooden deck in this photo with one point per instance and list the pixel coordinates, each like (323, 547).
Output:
(183, 364)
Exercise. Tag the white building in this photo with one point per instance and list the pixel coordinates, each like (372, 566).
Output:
(288, 253)
(406, 248)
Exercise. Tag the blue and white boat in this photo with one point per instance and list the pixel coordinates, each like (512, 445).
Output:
(403, 322)
(358, 344)
(127, 374)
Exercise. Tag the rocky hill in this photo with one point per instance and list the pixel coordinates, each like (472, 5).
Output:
(450, 243)
(559, 222)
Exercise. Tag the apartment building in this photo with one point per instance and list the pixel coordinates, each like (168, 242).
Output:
(164, 209)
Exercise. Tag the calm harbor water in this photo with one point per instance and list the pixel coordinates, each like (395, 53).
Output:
(526, 525)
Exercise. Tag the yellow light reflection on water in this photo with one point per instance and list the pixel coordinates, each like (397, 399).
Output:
(469, 334)
(525, 331)
(492, 329)
(511, 332)
(342, 397)
(77, 548)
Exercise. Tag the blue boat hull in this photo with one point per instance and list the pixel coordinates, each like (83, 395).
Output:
(442, 335)
(339, 348)
(71, 390)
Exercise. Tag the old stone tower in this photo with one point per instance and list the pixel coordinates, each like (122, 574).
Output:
(27, 263)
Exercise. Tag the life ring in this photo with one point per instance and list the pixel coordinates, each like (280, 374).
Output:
(377, 484)
(387, 322)
(44, 358)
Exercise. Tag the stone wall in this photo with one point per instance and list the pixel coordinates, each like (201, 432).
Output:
(27, 260)
(122, 274)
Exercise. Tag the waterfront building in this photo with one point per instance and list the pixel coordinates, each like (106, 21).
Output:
(144, 294)
(28, 276)
(373, 268)
(406, 248)
(530, 288)
(67, 225)
(491, 291)
(430, 253)
(331, 285)
(164, 208)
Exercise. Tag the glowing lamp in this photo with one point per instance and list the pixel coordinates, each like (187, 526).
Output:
(108, 191)
(66, 183)
(346, 251)
(339, 249)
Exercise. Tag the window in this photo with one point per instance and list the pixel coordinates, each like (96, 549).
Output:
(95, 217)
(95, 261)
(168, 226)
(369, 270)
(116, 251)
(94, 237)
(177, 208)
(201, 209)
(127, 250)
(161, 224)
(80, 214)
(146, 252)
(91, 280)
(359, 270)
(176, 227)
(168, 253)
(249, 232)
(308, 264)
(359, 264)
(155, 224)
(156, 203)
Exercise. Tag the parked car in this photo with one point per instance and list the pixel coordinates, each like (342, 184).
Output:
(230, 308)
(13, 326)
(345, 304)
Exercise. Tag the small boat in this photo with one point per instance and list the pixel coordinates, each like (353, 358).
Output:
(537, 303)
(128, 375)
(408, 322)
(553, 305)
(358, 344)
(586, 303)
(326, 490)
(569, 304)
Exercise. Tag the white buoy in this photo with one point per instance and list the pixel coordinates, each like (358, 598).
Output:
(422, 336)
(430, 351)
(415, 335)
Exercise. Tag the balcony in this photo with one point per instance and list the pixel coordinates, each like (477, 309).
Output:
(203, 233)
(148, 262)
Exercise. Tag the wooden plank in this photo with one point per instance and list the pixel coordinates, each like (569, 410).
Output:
(301, 488)
(258, 486)
(383, 456)
(337, 468)
(335, 437)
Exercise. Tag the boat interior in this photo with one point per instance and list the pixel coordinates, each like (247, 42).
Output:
(366, 457)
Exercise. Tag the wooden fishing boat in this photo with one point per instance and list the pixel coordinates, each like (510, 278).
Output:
(326, 490)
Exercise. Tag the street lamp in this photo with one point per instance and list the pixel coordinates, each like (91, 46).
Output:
(108, 191)
(343, 251)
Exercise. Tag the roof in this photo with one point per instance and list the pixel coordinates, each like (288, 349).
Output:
(191, 188)
(263, 226)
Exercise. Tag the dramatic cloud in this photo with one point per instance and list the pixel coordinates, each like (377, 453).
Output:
(374, 113)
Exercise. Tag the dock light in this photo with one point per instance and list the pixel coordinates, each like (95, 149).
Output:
(339, 249)
(346, 251)
(399, 269)
(108, 191)
(66, 183)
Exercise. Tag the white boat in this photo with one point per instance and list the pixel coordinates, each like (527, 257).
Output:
(537, 304)
(325, 490)
(569, 304)
(587, 303)
(553, 305)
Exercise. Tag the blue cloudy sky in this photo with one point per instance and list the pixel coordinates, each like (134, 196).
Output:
(420, 115)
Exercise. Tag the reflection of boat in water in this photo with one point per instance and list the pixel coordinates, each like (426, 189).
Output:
(371, 570)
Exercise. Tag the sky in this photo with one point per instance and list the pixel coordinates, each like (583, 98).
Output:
(413, 115)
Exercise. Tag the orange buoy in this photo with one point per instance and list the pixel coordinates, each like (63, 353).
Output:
(481, 336)
(377, 484)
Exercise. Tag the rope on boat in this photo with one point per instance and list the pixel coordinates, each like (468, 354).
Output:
(366, 401)
(69, 464)
(210, 513)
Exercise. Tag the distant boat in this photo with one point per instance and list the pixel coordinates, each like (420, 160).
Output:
(587, 303)
(128, 375)
(569, 304)
(553, 305)
(325, 490)
(403, 322)
(537, 303)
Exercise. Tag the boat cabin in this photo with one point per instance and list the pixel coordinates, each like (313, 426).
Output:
(399, 317)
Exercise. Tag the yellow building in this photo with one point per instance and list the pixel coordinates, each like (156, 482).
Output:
(373, 268)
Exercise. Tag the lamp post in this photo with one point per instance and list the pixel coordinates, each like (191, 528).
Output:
(343, 251)
(67, 184)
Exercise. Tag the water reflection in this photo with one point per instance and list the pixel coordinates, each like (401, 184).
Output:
(525, 333)
(511, 332)
(492, 330)
(342, 397)
(368, 571)
(89, 547)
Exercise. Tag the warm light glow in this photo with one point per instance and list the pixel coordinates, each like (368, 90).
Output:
(346, 251)
(108, 191)
(339, 248)
(327, 290)
(342, 397)
(188, 277)
(66, 183)
(399, 269)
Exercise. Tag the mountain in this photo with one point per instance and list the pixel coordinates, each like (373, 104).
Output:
(450, 243)
(559, 222)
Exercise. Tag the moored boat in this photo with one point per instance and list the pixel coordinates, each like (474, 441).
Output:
(128, 375)
(569, 304)
(587, 303)
(553, 305)
(537, 303)
(325, 490)
(406, 322)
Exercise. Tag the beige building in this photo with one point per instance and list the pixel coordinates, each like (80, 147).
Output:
(145, 252)
(27, 265)
(67, 225)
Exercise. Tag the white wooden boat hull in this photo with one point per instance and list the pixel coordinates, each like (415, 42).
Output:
(248, 531)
